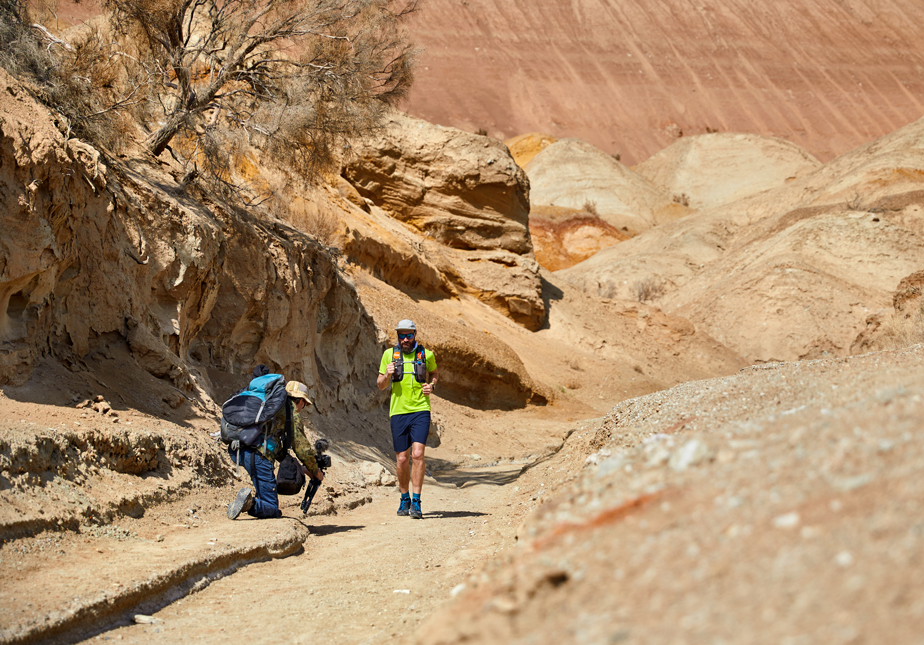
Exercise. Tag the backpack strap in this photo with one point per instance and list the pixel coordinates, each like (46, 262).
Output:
(420, 364)
(398, 360)
(289, 436)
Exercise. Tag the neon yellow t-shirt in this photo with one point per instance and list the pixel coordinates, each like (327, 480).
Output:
(407, 395)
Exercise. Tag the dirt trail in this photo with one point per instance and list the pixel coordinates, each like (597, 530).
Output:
(352, 570)
(366, 576)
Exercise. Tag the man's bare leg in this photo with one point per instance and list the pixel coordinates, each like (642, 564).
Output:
(403, 470)
(417, 468)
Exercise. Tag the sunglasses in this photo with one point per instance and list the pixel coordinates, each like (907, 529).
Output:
(405, 336)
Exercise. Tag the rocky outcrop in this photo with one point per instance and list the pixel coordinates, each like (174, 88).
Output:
(563, 237)
(422, 268)
(462, 190)
(89, 251)
(526, 146)
(459, 210)
(909, 295)
(899, 328)
(506, 281)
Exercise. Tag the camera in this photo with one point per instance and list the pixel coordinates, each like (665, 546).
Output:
(320, 447)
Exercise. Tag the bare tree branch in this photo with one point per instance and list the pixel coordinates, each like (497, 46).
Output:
(299, 75)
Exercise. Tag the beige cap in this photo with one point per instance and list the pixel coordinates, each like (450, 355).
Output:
(298, 390)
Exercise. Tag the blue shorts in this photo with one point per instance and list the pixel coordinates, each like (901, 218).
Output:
(409, 428)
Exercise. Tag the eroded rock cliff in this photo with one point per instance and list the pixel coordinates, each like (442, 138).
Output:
(193, 288)
(462, 191)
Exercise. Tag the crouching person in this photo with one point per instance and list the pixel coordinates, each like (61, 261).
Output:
(284, 431)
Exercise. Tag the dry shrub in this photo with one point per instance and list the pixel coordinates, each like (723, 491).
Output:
(85, 78)
(854, 203)
(22, 54)
(298, 80)
(904, 328)
(322, 225)
(649, 288)
(683, 199)
(590, 207)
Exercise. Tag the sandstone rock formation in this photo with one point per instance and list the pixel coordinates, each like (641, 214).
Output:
(574, 174)
(464, 205)
(631, 77)
(89, 252)
(526, 146)
(562, 237)
(710, 170)
(461, 190)
(73, 457)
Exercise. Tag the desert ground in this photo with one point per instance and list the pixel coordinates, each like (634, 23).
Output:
(681, 391)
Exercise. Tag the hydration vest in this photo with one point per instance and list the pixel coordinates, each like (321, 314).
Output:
(420, 364)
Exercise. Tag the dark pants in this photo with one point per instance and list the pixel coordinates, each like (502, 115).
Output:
(263, 476)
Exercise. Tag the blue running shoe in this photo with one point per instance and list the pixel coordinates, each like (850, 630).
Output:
(405, 506)
(416, 513)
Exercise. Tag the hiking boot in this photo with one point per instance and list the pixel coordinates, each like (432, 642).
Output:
(416, 513)
(404, 507)
(241, 503)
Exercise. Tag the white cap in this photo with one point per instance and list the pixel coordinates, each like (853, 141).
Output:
(406, 325)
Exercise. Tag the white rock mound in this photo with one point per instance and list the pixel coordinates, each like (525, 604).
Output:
(791, 273)
(709, 170)
(573, 174)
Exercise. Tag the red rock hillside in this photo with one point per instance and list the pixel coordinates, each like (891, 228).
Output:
(630, 76)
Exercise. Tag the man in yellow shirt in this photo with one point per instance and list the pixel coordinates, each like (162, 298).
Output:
(411, 371)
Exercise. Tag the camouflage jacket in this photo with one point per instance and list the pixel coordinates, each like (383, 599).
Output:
(304, 451)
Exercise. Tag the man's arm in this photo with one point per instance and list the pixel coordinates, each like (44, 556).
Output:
(303, 448)
(428, 388)
(386, 369)
(384, 379)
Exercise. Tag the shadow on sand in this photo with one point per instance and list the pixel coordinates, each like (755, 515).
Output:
(331, 529)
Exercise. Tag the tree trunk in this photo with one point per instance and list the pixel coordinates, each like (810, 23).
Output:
(162, 138)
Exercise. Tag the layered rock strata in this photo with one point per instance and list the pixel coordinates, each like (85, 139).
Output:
(464, 208)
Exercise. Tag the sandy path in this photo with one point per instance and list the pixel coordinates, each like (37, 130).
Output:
(366, 576)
